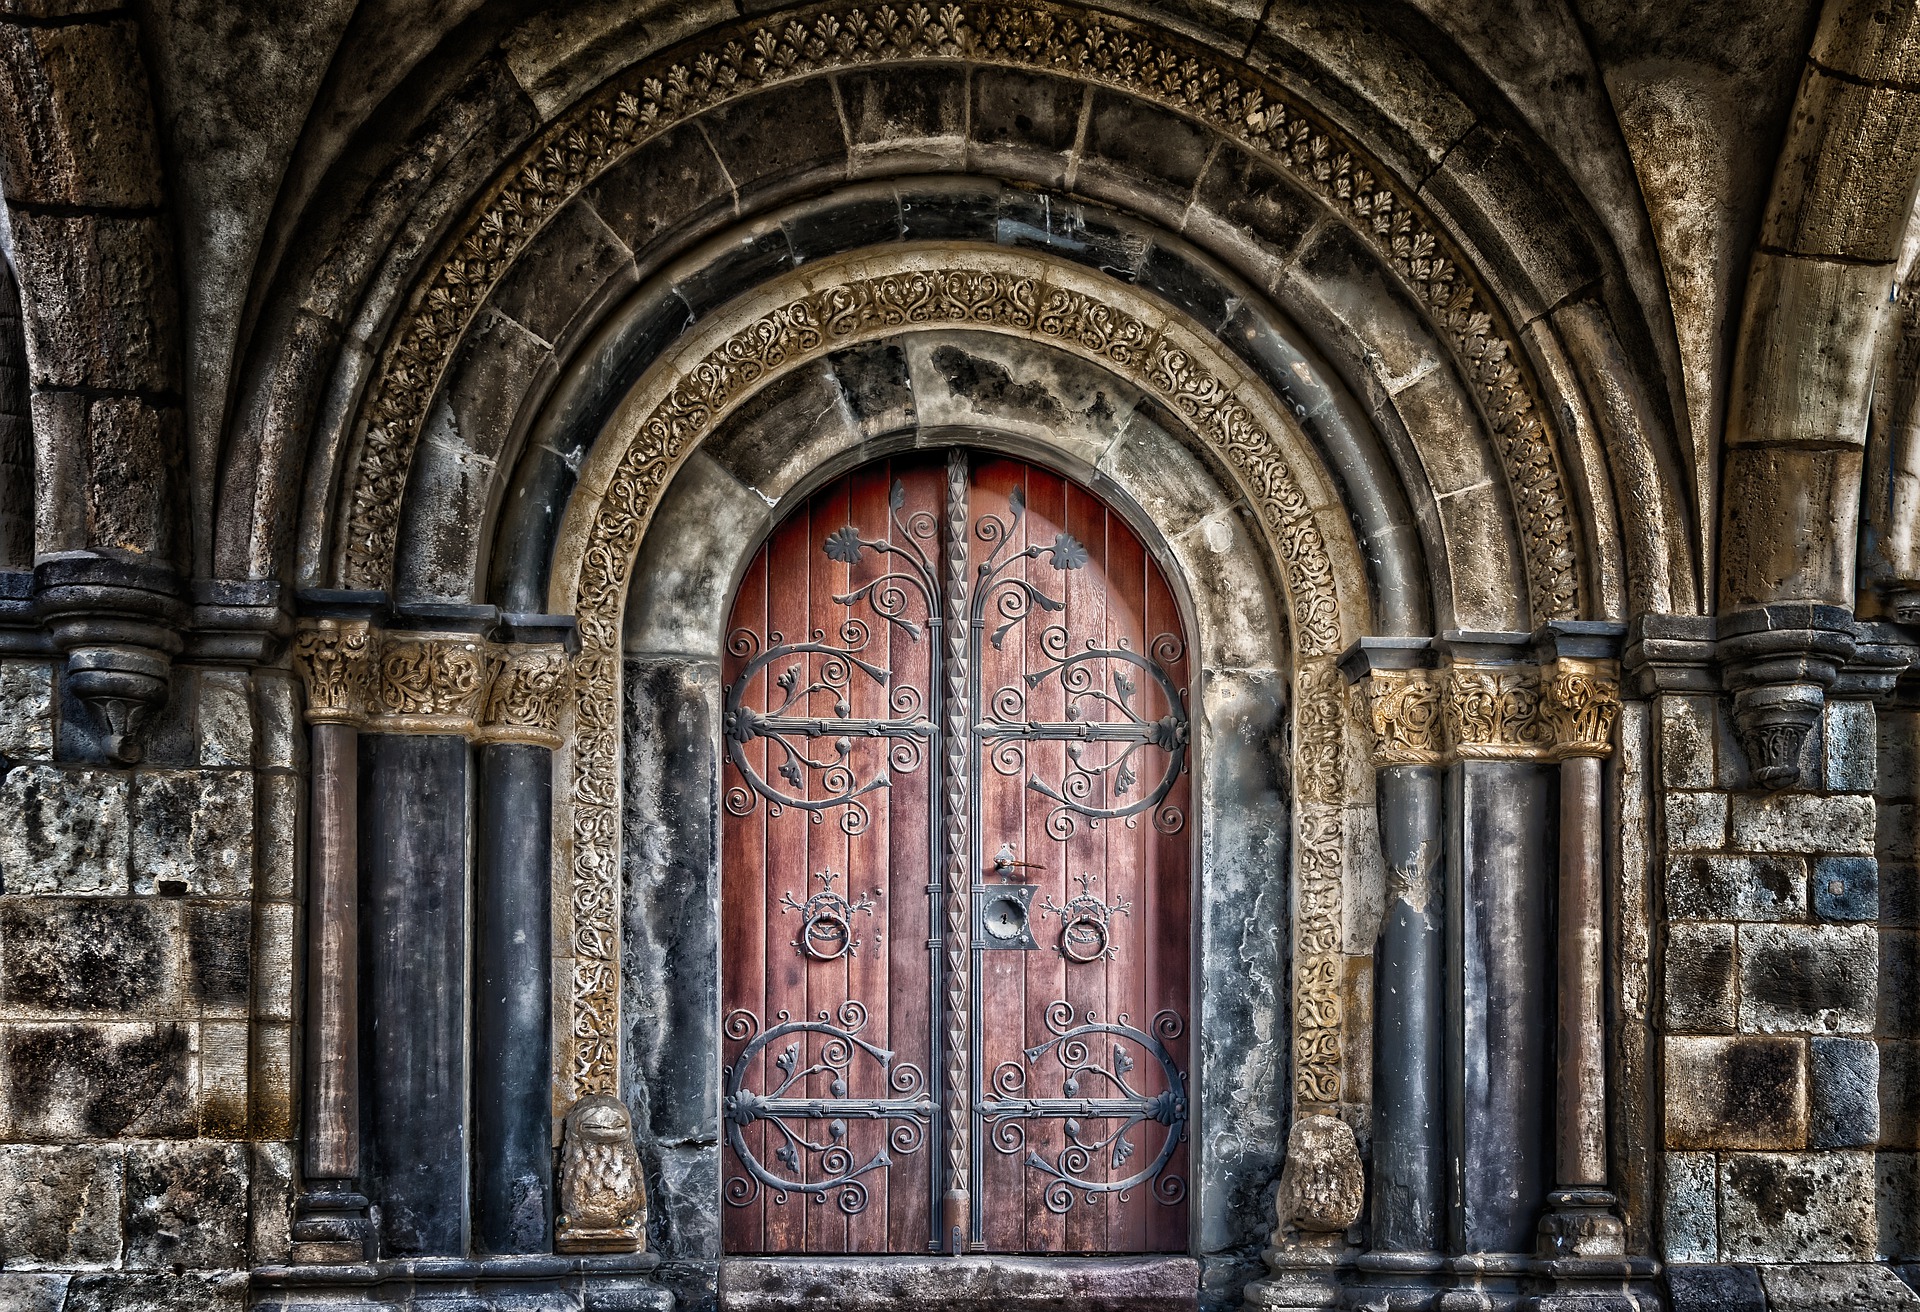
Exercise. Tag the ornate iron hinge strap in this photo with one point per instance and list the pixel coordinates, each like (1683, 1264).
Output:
(817, 1162)
(1096, 1092)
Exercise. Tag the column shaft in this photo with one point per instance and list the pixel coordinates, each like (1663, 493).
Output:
(332, 1148)
(1580, 1158)
(414, 839)
(1409, 1141)
(1499, 993)
(512, 1109)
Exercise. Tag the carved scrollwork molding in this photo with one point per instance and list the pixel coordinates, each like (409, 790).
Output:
(387, 682)
(1492, 713)
(847, 300)
(756, 54)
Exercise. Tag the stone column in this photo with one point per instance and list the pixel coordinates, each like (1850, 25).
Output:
(335, 659)
(1409, 1144)
(415, 828)
(513, 954)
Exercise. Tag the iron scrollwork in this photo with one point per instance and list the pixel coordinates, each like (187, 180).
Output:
(799, 773)
(817, 1163)
(1097, 1091)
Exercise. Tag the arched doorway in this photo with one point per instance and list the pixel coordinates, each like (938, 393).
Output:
(956, 865)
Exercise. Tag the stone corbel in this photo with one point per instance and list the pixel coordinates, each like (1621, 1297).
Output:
(119, 623)
(1779, 662)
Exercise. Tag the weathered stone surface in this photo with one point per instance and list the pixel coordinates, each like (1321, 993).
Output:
(1837, 1288)
(1696, 821)
(224, 717)
(1687, 739)
(1690, 1206)
(280, 738)
(1899, 983)
(269, 1202)
(193, 832)
(1801, 822)
(186, 1206)
(1716, 1289)
(269, 1075)
(190, 1292)
(906, 117)
(1797, 1207)
(63, 831)
(1897, 1180)
(1745, 1092)
(97, 1081)
(280, 837)
(90, 955)
(33, 1293)
(225, 1072)
(1019, 1284)
(109, 319)
(1737, 888)
(60, 1207)
(1852, 755)
(1846, 888)
(1846, 1093)
(1900, 1095)
(1699, 984)
(1820, 979)
(26, 711)
(81, 112)
(219, 954)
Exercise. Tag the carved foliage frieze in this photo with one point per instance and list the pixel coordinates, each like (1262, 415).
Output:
(1492, 713)
(388, 682)
(757, 54)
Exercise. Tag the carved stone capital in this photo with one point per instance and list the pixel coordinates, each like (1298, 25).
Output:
(430, 683)
(336, 659)
(1492, 713)
(1404, 712)
(528, 694)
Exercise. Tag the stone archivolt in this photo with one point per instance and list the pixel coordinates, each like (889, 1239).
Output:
(1492, 713)
(385, 682)
(849, 301)
(1187, 78)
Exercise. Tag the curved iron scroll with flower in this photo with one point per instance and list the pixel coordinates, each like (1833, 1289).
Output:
(1122, 760)
(811, 761)
(810, 1104)
(1104, 1104)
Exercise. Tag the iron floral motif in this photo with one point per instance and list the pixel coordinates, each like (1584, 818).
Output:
(1096, 1091)
(817, 1164)
(1086, 923)
(826, 920)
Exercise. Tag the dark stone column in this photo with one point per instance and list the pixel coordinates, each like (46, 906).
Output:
(414, 821)
(512, 1107)
(1499, 1001)
(1409, 1055)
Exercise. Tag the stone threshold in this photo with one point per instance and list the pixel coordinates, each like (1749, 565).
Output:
(936, 1284)
(597, 1283)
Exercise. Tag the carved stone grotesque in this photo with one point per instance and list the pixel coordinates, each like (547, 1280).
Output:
(1321, 1187)
(603, 1199)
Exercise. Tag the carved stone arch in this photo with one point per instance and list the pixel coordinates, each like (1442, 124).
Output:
(1246, 108)
(838, 304)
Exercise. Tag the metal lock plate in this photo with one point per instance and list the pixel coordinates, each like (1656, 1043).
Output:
(1005, 916)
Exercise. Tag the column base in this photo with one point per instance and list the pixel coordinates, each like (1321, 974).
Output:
(1396, 1282)
(332, 1222)
(1306, 1276)
(536, 1283)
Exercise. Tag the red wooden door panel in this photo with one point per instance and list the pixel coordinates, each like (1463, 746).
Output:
(892, 1086)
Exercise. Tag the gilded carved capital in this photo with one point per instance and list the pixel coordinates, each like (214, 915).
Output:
(337, 659)
(430, 683)
(1492, 713)
(529, 692)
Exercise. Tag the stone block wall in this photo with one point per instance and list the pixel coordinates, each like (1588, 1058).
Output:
(148, 1050)
(1780, 1052)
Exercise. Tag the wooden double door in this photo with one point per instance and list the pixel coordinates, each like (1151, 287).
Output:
(955, 874)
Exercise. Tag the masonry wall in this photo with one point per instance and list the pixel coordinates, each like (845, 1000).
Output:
(148, 1049)
(1786, 1086)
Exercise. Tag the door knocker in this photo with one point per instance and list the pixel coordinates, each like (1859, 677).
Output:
(826, 920)
(1086, 932)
